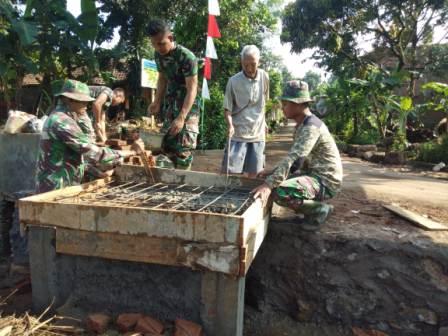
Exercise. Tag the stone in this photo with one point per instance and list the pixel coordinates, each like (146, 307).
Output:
(148, 325)
(362, 332)
(305, 311)
(367, 155)
(378, 157)
(443, 331)
(396, 158)
(97, 323)
(427, 316)
(358, 150)
(127, 322)
(187, 328)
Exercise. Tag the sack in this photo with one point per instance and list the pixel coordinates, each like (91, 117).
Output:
(16, 121)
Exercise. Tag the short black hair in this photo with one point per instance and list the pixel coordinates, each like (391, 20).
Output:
(157, 26)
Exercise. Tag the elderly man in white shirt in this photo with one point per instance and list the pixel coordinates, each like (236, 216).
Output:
(244, 106)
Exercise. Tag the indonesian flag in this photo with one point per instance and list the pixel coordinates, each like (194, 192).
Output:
(205, 91)
(213, 29)
(210, 50)
(208, 68)
(213, 7)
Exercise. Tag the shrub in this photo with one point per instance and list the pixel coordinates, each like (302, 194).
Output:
(433, 151)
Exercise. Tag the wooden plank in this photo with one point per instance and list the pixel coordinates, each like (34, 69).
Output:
(253, 243)
(255, 226)
(420, 221)
(204, 227)
(153, 250)
(117, 247)
(68, 191)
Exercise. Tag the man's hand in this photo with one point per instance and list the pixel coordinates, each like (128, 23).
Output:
(231, 131)
(154, 108)
(177, 125)
(262, 192)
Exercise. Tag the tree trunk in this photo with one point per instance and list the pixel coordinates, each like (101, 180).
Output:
(379, 124)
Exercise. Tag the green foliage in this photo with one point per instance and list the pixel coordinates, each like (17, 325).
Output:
(332, 26)
(313, 80)
(365, 137)
(434, 152)
(275, 84)
(214, 133)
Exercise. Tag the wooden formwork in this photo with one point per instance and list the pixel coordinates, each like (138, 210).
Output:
(210, 241)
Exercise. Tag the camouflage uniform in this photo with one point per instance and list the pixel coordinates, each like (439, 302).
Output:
(323, 177)
(176, 66)
(96, 90)
(65, 149)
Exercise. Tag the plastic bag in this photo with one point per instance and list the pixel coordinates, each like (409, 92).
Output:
(16, 121)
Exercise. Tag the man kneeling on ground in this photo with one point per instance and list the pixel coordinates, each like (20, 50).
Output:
(305, 192)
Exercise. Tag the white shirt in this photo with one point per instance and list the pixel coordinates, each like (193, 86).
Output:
(246, 98)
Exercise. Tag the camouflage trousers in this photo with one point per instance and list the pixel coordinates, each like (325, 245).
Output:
(178, 148)
(293, 191)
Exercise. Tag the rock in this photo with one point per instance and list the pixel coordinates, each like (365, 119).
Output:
(378, 157)
(147, 324)
(396, 158)
(305, 311)
(367, 155)
(127, 322)
(426, 316)
(443, 331)
(361, 332)
(187, 328)
(358, 150)
(97, 323)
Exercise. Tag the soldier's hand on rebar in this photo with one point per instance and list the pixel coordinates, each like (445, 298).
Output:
(262, 192)
(177, 125)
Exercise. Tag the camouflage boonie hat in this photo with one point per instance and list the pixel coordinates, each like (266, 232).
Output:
(297, 92)
(75, 90)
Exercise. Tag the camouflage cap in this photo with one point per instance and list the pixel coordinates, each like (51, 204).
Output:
(75, 90)
(297, 92)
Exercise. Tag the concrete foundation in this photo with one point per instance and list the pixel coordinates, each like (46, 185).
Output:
(211, 299)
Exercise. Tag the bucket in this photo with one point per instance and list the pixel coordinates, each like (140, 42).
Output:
(152, 139)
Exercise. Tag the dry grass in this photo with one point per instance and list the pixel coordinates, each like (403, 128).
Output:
(28, 325)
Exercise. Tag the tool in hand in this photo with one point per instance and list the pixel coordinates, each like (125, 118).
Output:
(228, 161)
(136, 146)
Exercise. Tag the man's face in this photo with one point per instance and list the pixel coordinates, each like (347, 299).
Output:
(250, 65)
(117, 98)
(291, 110)
(163, 42)
(79, 107)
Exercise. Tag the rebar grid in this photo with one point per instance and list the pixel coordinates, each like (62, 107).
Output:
(180, 197)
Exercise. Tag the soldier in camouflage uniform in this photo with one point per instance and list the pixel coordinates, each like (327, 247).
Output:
(306, 191)
(65, 149)
(104, 97)
(177, 89)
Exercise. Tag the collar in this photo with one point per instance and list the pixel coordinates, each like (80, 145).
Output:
(257, 76)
